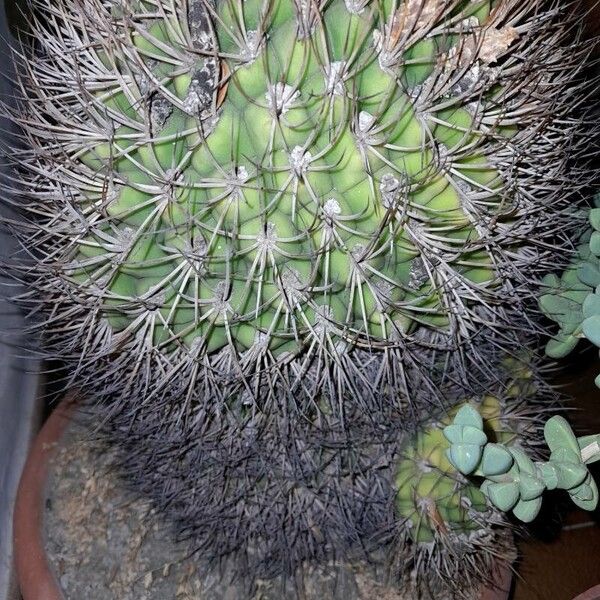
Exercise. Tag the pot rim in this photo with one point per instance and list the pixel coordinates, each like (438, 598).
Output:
(36, 579)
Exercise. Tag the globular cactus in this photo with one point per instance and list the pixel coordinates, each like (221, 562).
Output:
(432, 494)
(269, 236)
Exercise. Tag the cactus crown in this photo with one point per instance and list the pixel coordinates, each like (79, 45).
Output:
(335, 175)
(336, 193)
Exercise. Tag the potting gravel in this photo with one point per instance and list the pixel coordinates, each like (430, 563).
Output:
(103, 544)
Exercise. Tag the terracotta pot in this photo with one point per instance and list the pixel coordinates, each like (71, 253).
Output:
(591, 594)
(36, 579)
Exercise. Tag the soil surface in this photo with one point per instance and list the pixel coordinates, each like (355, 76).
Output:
(103, 544)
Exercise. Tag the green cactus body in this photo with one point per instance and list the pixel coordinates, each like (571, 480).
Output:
(320, 201)
(432, 495)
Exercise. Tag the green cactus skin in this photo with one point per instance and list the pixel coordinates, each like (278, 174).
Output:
(573, 299)
(289, 185)
(324, 196)
(432, 495)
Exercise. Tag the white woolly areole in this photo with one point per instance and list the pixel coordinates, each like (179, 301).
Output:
(324, 318)
(332, 207)
(220, 301)
(157, 301)
(236, 178)
(196, 251)
(356, 7)
(334, 78)
(293, 286)
(280, 98)
(261, 343)
(363, 130)
(251, 49)
(299, 160)
(267, 239)
(192, 102)
(124, 239)
(365, 121)
(389, 186)
(385, 58)
(242, 173)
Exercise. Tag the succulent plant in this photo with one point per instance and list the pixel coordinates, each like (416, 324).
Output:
(512, 480)
(446, 516)
(270, 236)
(573, 299)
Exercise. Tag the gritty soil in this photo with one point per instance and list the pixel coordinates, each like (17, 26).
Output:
(103, 544)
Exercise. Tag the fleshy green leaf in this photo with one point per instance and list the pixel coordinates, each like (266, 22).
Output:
(586, 495)
(595, 243)
(558, 434)
(530, 487)
(468, 415)
(496, 460)
(591, 305)
(570, 474)
(591, 329)
(465, 457)
(527, 510)
(560, 346)
(589, 274)
(503, 495)
(595, 218)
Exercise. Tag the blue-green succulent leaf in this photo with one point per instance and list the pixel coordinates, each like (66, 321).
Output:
(589, 274)
(570, 474)
(561, 345)
(469, 415)
(522, 462)
(595, 218)
(591, 329)
(586, 494)
(530, 487)
(549, 474)
(591, 305)
(502, 495)
(496, 460)
(595, 243)
(558, 434)
(465, 457)
(527, 510)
